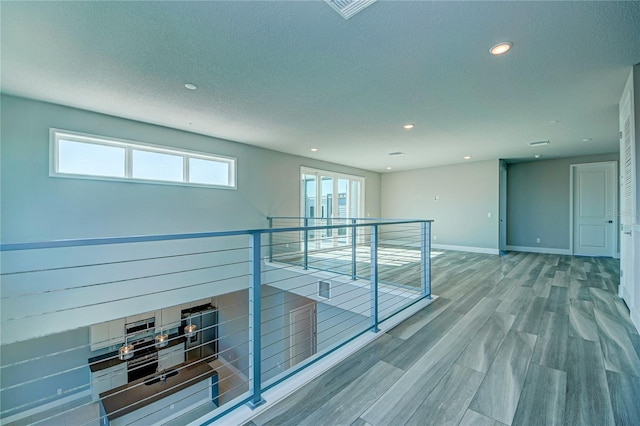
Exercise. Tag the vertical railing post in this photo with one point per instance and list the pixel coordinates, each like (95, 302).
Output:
(374, 279)
(353, 250)
(270, 240)
(255, 283)
(425, 259)
(305, 254)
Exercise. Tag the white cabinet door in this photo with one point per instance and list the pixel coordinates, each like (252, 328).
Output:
(119, 375)
(106, 334)
(170, 357)
(116, 332)
(107, 379)
(171, 317)
(99, 336)
(100, 382)
(133, 318)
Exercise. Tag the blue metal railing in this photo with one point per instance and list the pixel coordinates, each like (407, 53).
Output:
(404, 236)
(424, 240)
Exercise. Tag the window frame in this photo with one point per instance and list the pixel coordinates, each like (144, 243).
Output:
(55, 135)
(336, 175)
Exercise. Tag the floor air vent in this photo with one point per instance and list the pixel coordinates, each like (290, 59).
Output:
(324, 289)
(348, 8)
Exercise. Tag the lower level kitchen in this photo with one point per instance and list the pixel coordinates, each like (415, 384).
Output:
(74, 376)
(160, 364)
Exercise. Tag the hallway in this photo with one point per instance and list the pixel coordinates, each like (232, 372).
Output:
(530, 339)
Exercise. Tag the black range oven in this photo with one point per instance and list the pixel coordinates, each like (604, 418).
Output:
(144, 361)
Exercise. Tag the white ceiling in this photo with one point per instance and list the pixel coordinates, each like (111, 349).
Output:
(290, 76)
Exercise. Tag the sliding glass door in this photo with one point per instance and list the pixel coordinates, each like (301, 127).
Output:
(330, 199)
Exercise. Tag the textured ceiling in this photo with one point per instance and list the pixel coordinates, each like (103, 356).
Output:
(294, 75)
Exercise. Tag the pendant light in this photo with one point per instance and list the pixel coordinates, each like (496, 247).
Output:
(125, 352)
(190, 330)
(162, 339)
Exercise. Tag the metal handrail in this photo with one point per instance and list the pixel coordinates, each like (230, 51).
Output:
(350, 218)
(255, 274)
(81, 242)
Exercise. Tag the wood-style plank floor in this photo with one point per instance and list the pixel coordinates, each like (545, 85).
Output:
(526, 339)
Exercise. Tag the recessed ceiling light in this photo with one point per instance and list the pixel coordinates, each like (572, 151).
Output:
(190, 86)
(396, 154)
(314, 149)
(586, 140)
(539, 143)
(388, 168)
(554, 122)
(537, 156)
(500, 48)
(467, 157)
(409, 126)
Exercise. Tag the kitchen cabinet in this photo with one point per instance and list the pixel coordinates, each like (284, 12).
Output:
(196, 303)
(171, 356)
(171, 317)
(139, 317)
(99, 336)
(107, 379)
(106, 334)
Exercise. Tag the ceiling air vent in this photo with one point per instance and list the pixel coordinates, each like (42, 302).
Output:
(324, 289)
(348, 8)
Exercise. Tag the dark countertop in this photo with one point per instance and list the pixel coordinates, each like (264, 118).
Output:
(135, 395)
(111, 359)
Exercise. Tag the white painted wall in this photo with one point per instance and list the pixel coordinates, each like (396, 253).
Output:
(466, 193)
(539, 202)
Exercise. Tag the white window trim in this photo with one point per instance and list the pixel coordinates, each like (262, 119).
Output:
(56, 134)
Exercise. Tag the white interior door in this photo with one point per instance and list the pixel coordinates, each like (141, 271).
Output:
(594, 207)
(302, 333)
(627, 196)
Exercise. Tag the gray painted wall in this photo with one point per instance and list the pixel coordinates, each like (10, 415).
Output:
(62, 356)
(467, 193)
(538, 201)
(36, 207)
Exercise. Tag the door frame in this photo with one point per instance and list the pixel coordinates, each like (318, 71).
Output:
(572, 169)
(502, 207)
(628, 290)
(319, 173)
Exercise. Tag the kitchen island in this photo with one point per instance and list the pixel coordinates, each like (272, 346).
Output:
(160, 396)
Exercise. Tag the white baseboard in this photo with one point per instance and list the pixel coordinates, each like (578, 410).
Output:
(465, 248)
(44, 407)
(542, 250)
